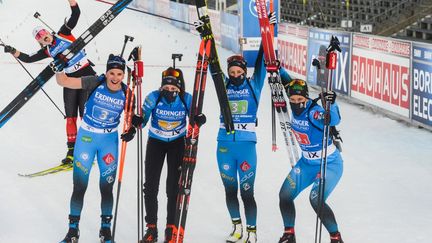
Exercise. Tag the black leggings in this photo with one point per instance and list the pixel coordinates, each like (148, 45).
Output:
(154, 160)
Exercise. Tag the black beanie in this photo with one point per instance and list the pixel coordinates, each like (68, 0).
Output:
(173, 76)
(116, 62)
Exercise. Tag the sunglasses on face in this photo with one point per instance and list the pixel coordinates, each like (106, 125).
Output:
(42, 33)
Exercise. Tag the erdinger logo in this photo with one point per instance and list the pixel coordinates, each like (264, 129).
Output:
(108, 159)
(253, 9)
(245, 166)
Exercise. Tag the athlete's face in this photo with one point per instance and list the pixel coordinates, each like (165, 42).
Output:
(114, 78)
(235, 71)
(296, 99)
(44, 37)
(170, 88)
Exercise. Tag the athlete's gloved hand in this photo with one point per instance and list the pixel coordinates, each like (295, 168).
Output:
(272, 18)
(129, 135)
(202, 28)
(137, 120)
(9, 49)
(329, 96)
(200, 119)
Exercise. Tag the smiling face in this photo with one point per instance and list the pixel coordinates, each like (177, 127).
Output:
(114, 78)
(44, 37)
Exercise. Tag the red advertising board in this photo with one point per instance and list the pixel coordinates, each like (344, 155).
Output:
(381, 72)
(292, 46)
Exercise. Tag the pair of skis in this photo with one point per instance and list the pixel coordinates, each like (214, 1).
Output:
(60, 61)
(275, 83)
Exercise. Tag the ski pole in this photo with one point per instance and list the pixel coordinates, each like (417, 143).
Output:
(126, 125)
(138, 73)
(152, 14)
(37, 15)
(175, 56)
(31, 76)
(331, 63)
(127, 38)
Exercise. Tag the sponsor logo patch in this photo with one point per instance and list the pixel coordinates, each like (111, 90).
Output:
(226, 177)
(108, 158)
(86, 139)
(226, 167)
(223, 150)
(84, 156)
(110, 179)
(81, 167)
(246, 186)
(245, 166)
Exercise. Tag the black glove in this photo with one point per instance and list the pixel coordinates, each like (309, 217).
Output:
(137, 120)
(272, 18)
(200, 119)
(202, 28)
(329, 96)
(9, 49)
(129, 135)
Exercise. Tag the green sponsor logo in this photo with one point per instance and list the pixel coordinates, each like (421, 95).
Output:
(86, 139)
(223, 150)
(239, 106)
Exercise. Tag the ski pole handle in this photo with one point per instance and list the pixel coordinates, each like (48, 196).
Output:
(37, 16)
(175, 56)
(127, 38)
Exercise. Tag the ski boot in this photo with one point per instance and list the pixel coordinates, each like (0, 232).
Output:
(72, 235)
(168, 232)
(288, 236)
(251, 234)
(105, 230)
(69, 154)
(336, 237)
(151, 234)
(237, 232)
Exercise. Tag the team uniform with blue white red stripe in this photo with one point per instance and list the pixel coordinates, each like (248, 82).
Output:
(308, 129)
(167, 131)
(236, 152)
(97, 136)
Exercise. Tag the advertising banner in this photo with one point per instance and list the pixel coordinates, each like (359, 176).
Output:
(230, 28)
(381, 72)
(292, 46)
(421, 108)
(318, 42)
(250, 29)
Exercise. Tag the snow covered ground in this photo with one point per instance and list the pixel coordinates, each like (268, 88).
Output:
(384, 195)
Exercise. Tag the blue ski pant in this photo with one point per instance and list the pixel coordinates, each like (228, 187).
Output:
(87, 146)
(305, 173)
(237, 163)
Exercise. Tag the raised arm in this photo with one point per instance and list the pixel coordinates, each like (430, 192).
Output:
(68, 82)
(68, 26)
